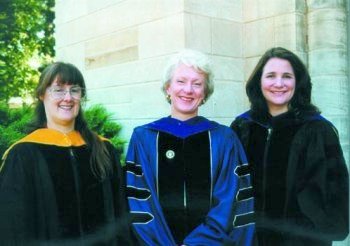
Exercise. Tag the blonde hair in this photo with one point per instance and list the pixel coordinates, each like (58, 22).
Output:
(190, 58)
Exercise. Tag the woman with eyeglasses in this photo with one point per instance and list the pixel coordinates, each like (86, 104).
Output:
(62, 183)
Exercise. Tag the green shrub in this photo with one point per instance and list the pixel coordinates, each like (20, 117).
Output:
(14, 122)
(100, 121)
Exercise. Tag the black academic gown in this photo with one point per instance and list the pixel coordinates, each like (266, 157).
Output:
(49, 195)
(300, 179)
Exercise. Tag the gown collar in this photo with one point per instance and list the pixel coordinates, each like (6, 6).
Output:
(285, 119)
(54, 137)
(182, 129)
(51, 137)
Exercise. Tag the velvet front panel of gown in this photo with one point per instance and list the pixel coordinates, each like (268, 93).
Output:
(79, 194)
(184, 182)
(268, 155)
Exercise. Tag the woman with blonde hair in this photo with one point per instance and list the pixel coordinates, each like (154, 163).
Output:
(186, 174)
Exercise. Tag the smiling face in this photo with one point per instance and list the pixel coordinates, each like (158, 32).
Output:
(60, 112)
(278, 85)
(186, 91)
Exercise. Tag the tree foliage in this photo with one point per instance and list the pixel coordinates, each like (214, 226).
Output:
(26, 44)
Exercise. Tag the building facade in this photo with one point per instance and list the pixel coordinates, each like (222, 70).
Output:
(121, 47)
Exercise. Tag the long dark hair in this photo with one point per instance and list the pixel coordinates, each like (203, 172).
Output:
(66, 73)
(301, 100)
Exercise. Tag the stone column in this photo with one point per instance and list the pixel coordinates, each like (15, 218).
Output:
(328, 62)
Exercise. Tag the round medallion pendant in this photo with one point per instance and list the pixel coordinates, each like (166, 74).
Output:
(170, 154)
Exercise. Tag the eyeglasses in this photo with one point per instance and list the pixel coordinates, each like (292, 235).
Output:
(58, 92)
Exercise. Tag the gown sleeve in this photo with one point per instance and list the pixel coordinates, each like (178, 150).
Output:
(122, 230)
(230, 219)
(149, 222)
(323, 197)
(17, 206)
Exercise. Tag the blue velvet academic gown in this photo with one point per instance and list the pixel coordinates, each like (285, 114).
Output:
(187, 182)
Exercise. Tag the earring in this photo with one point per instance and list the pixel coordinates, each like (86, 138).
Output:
(203, 101)
(168, 98)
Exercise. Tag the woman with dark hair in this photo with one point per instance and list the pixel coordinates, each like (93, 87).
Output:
(299, 175)
(62, 183)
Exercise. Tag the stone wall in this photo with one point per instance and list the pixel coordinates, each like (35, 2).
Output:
(122, 46)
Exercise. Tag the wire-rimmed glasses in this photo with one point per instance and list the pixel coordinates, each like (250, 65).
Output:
(58, 92)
